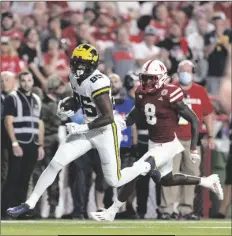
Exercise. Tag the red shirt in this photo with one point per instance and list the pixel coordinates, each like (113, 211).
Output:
(69, 34)
(197, 99)
(62, 62)
(12, 33)
(12, 64)
(157, 111)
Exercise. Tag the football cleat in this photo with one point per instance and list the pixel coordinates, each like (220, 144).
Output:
(212, 182)
(106, 215)
(17, 211)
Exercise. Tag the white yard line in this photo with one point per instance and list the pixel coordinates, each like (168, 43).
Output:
(207, 222)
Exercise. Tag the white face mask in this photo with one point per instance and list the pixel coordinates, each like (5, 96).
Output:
(185, 78)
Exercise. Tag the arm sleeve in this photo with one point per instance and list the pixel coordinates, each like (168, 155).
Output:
(9, 106)
(175, 94)
(108, 58)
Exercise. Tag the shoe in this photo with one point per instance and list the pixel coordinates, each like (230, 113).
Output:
(21, 210)
(165, 216)
(219, 216)
(191, 216)
(175, 216)
(107, 215)
(212, 182)
(126, 215)
(154, 173)
(78, 217)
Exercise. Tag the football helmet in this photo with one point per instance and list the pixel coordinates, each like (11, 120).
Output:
(153, 76)
(84, 61)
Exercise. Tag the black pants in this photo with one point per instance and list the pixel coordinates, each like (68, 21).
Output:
(51, 145)
(19, 173)
(142, 187)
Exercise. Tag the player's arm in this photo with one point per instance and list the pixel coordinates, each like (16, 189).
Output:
(183, 110)
(104, 105)
(133, 116)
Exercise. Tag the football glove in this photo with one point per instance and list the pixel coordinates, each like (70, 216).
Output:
(61, 112)
(194, 156)
(74, 128)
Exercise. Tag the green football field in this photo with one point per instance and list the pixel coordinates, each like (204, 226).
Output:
(132, 227)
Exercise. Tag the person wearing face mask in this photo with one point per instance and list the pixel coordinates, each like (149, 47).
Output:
(197, 99)
(22, 118)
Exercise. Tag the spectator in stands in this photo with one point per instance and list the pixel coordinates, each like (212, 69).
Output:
(120, 57)
(146, 50)
(53, 31)
(8, 84)
(217, 44)
(5, 6)
(8, 25)
(70, 33)
(177, 46)
(84, 34)
(22, 117)
(56, 61)
(197, 45)
(10, 60)
(28, 22)
(30, 52)
(161, 20)
(196, 98)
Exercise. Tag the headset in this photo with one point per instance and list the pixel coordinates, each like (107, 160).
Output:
(129, 80)
(187, 62)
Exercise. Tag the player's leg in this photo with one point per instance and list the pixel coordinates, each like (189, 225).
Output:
(187, 192)
(74, 147)
(170, 195)
(158, 153)
(211, 182)
(107, 145)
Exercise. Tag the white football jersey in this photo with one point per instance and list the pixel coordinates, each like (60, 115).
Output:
(92, 86)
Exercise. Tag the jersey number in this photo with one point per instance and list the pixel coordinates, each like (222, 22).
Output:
(95, 78)
(87, 105)
(150, 113)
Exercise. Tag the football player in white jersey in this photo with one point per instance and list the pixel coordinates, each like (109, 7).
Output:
(101, 130)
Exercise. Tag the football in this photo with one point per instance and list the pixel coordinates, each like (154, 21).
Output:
(71, 104)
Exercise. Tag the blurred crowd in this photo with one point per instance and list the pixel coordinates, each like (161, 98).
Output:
(39, 37)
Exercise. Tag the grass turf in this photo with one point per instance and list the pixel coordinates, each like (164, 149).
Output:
(132, 227)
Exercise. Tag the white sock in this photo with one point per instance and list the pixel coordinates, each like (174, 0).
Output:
(116, 206)
(45, 180)
(130, 173)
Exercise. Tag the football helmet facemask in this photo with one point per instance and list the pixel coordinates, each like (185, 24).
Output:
(84, 61)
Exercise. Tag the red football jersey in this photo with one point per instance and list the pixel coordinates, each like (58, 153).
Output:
(197, 100)
(156, 109)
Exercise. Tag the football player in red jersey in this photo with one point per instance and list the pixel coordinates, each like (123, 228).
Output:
(161, 104)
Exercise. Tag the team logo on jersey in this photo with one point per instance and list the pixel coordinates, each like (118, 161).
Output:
(160, 99)
(140, 96)
(164, 92)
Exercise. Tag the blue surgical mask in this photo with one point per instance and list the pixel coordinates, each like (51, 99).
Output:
(185, 78)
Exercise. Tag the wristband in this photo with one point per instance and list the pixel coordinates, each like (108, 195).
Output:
(15, 144)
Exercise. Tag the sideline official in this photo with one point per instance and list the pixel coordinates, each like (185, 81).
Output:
(22, 117)
(8, 84)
